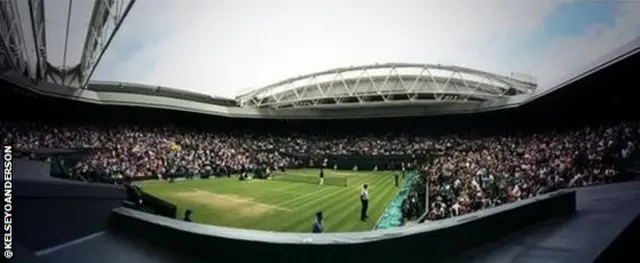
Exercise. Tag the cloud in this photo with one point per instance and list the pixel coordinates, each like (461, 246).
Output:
(223, 47)
(567, 55)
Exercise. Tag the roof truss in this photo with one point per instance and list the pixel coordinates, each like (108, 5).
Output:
(365, 86)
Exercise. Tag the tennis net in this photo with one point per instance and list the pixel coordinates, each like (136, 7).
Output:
(298, 178)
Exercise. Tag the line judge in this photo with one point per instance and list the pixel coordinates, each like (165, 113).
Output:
(364, 199)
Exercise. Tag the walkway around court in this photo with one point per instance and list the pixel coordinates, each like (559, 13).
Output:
(392, 216)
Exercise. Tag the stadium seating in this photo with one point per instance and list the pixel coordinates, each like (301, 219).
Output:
(464, 172)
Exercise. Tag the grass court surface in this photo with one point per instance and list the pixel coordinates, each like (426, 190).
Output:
(281, 205)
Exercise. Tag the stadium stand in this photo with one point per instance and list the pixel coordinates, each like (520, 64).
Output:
(570, 138)
(465, 172)
(494, 170)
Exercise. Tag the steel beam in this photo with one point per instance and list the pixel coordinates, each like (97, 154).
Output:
(526, 86)
(391, 85)
(36, 10)
(345, 84)
(106, 18)
(12, 44)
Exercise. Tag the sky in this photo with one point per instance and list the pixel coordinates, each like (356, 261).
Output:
(225, 47)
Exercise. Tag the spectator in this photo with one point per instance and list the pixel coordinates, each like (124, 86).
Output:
(318, 225)
(464, 173)
(187, 215)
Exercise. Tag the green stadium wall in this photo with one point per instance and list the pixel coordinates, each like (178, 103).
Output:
(433, 241)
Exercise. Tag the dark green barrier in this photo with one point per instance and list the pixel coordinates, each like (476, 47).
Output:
(364, 162)
(158, 206)
(425, 242)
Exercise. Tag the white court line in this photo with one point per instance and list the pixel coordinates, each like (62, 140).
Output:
(68, 244)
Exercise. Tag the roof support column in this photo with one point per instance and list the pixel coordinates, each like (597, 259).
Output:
(13, 55)
(36, 11)
(106, 18)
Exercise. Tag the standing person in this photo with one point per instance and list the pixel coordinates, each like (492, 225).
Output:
(396, 176)
(318, 225)
(364, 199)
(321, 175)
(187, 215)
(404, 170)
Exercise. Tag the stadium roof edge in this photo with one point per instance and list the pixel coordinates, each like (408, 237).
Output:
(627, 50)
(130, 94)
(134, 86)
(378, 66)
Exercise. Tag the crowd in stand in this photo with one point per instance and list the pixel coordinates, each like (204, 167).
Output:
(474, 174)
(150, 152)
(465, 173)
